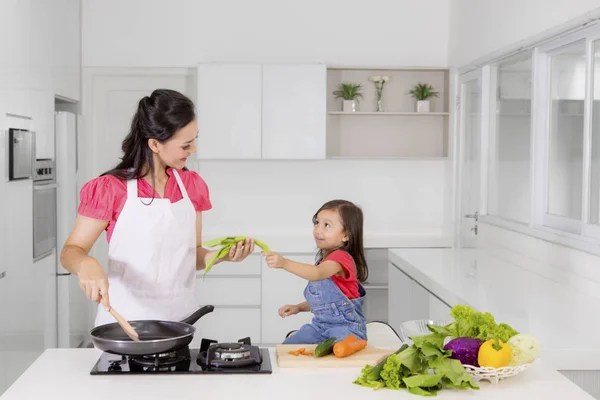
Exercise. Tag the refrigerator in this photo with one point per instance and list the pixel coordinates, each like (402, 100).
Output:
(73, 308)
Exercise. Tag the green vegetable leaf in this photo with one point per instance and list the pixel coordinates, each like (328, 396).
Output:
(410, 358)
(441, 330)
(428, 392)
(422, 381)
(391, 372)
(453, 373)
(434, 338)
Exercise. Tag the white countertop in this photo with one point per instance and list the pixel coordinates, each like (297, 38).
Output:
(565, 322)
(64, 374)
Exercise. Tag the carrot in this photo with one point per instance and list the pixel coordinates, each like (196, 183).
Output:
(344, 349)
(298, 352)
(350, 338)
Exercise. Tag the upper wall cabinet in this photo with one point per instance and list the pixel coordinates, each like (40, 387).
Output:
(229, 111)
(253, 111)
(294, 111)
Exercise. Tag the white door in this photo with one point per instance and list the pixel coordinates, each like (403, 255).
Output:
(470, 135)
(279, 288)
(229, 111)
(294, 111)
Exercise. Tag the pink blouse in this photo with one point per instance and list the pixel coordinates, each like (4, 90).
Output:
(103, 198)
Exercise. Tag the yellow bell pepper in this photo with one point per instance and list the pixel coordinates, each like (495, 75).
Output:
(494, 354)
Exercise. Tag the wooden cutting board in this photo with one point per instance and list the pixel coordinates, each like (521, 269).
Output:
(369, 355)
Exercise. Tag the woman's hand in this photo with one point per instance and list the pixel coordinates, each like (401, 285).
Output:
(274, 260)
(288, 310)
(240, 251)
(93, 281)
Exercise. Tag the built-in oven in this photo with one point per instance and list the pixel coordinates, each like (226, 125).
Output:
(44, 208)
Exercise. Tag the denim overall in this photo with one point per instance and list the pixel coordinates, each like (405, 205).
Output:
(334, 314)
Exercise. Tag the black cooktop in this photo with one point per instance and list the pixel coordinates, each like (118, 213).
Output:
(211, 358)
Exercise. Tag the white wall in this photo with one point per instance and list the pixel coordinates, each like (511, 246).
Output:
(478, 28)
(40, 46)
(398, 197)
(184, 32)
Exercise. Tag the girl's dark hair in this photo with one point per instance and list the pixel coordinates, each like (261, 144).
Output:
(352, 221)
(158, 116)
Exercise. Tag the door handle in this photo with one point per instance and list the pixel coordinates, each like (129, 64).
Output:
(2, 274)
(474, 216)
(64, 274)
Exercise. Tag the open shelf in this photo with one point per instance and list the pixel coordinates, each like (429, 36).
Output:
(384, 113)
(403, 133)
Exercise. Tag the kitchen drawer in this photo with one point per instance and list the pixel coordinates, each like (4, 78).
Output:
(228, 291)
(228, 325)
(250, 266)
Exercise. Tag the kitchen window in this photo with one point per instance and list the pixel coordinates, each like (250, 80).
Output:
(509, 195)
(593, 228)
(567, 172)
(543, 163)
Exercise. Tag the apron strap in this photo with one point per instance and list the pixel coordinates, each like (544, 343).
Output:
(132, 189)
(184, 193)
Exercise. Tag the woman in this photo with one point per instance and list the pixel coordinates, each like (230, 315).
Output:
(151, 208)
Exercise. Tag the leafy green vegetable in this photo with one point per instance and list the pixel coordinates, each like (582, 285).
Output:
(470, 323)
(410, 369)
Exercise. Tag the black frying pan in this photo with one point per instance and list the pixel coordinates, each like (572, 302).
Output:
(155, 336)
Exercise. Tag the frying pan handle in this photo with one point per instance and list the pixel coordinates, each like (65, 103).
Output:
(198, 314)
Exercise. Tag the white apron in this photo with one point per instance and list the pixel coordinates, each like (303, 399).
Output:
(152, 259)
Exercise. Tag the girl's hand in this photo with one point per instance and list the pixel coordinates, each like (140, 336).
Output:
(288, 310)
(273, 259)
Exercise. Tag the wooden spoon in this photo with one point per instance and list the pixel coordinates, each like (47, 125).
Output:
(129, 330)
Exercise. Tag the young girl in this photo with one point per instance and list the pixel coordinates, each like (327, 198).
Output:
(333, 294)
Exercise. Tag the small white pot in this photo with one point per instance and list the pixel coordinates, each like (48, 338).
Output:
(349, 106)
(423, 106)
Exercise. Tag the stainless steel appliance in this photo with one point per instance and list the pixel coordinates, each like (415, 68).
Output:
(44, 208)
(21, 154)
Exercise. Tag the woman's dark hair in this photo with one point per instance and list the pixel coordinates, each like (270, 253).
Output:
(158, 116)
(352, 221)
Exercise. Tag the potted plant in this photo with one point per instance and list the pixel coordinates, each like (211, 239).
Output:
(349, 92)
(422, 92)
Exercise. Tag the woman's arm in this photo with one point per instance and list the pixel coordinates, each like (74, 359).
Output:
(309, 272)
(74, 257)
(237, 253)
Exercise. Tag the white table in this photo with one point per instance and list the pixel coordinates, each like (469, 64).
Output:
(64, 374)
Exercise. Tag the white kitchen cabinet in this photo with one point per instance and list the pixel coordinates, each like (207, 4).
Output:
(229, 111)
(408, 300)
(294, 111)
(279, 288)
(228, 291)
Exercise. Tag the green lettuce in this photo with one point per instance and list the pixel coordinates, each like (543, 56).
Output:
(470, 323)
(410, 368)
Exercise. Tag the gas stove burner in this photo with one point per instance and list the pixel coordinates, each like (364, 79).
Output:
(231, 351)
(228, 355)
(157, 362)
